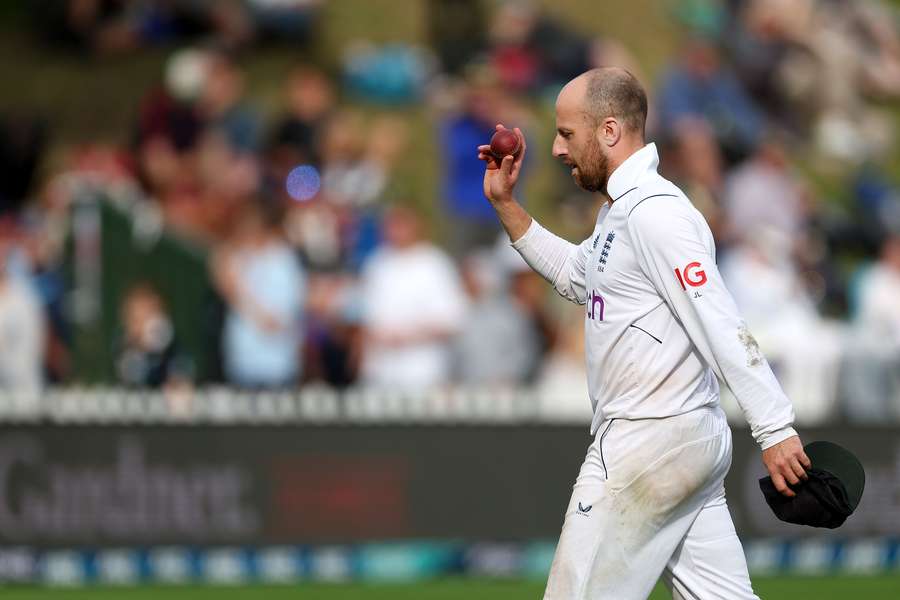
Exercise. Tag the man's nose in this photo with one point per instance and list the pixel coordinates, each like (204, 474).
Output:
(559, 147)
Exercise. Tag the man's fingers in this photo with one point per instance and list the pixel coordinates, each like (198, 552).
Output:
(520, 156)
(516, 167)
(781, 486)
(789, 475)
(506, 165)
(488, 158)
(484, 148)
(804, 460)
(499, 126)
(798, 469)
(521, 140)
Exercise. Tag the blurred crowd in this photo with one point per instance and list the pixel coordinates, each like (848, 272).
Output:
(118, 26)
(327, 270)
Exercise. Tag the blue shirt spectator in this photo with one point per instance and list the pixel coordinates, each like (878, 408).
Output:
(472, 220)
(699, 86)
(264, 287)
(463, 189)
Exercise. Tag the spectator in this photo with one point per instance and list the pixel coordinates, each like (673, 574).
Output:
(472, 221)
(767, 193)
(339, 227)
(47, 226)
(264, 290)
(310, 99)
(148, 355)
(528, 294)
(118, 26)
(764, 39)
(333, 335)
(700, 85)
(344, 171)
(167, 132)
(876, 208)
(224, 107)
(531, 51)
(696, 164)
(314, 229)
(356, 166)
(870, 384)
(497, 343)
(227, 179)
(197, 142)
(528, 291)
(291, 20)
(412, 305)
(764, 193)
(562, 383)
(456, 29)
(21, 327)
(169, 111)
(387, 144)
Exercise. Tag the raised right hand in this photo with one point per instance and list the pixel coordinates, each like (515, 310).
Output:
(499, 180)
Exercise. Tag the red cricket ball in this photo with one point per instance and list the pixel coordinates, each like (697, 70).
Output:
(505, 142)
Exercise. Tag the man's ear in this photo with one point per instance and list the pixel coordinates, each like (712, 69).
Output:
(610, 132)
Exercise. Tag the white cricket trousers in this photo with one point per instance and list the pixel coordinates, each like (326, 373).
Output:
(649, 501)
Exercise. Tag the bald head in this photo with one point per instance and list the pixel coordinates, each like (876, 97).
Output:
(612, 92)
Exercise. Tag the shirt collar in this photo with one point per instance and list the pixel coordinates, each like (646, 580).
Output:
(630, 173)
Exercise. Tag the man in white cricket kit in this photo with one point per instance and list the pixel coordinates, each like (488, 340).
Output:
(660, 327)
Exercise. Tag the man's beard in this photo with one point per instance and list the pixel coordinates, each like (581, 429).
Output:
(591, 171)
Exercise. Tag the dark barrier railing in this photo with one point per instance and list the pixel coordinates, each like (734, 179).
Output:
(111, 485)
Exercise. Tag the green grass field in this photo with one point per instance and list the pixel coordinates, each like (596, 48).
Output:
(795, 588)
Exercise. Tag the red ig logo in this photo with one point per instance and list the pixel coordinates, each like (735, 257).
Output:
(693, 275)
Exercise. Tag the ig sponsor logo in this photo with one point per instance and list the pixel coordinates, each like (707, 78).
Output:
(693, 275)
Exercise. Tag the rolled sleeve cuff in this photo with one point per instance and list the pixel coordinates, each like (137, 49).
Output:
(770, 439)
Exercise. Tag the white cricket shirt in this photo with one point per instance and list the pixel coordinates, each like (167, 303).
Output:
(659, 323)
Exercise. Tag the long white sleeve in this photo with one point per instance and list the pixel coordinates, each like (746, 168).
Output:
(560, 262)
(676, 251)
